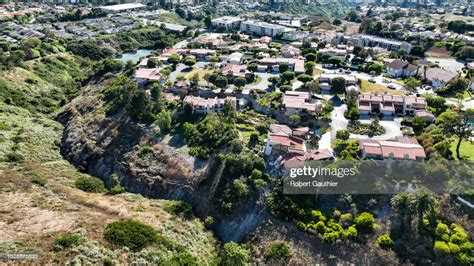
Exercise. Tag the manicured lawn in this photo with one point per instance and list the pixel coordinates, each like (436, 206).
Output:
(200, 72)
(370, 87)
(466, 151)
(317, 72)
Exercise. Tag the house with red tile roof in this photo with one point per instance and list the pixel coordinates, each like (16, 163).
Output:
(404, 148)
(144, 75)
(207, 105)
(281, 141)
(299, 103)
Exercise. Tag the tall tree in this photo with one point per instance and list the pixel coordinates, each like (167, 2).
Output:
(404, 205)
(425, 203)
(457, 123)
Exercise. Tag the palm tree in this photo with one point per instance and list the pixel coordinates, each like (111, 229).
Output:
(404, 204)
(425, 203)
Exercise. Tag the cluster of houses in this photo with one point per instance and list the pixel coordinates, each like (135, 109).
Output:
(290, 146)
(16, 32)
(434, 75)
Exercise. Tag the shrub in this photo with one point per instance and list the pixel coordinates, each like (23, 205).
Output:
(182, 258)
(130, 233)
(233, 254)
(320, 227)
(14, 157)
(178, 208)
(278, 250)
(365, 222)
(346, 219)
(117, 189)
(67, 241)
(441, 229)
(107, 261)
(331, 236)
(441, 248)
(385, 241)
(38, 181)
(209, 221)
(145, 150)
(351, 232)
(90, 184)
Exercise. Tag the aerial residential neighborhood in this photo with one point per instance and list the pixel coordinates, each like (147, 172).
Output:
(192, 133)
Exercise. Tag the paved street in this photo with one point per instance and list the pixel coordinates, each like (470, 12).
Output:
(339, 122)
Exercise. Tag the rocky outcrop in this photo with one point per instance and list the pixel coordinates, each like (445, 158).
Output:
(104, 145)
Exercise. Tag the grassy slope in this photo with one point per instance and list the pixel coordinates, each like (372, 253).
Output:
(38, 201)
(466, 150)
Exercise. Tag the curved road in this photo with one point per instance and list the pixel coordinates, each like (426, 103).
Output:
(339, 122)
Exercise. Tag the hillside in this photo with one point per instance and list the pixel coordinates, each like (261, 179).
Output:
(39, 200)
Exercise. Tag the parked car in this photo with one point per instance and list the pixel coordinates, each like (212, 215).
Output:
(428, 88)
(391, 86)
(385, 80)
(372, 80)
(348, 71)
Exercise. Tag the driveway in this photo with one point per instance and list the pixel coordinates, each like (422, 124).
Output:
(339, 122)
(174, 75)
(325, 141)
(263, 84)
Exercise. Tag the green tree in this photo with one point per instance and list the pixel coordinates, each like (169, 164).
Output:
(288, 75)
(305, 78)
(425, 203)
(233, 254)
(342, 135)
(404, 205)
(419, 123)
(354, 114)
(309, 67)
(411, 84)
(138, 104)
(335, 60)
(283, 67)
(311, 57)
(221, 82)
(173, 59)
(457, 123)
(338, 85)
(295, 119)
(240, 82)
(190, 62)
(163, 120)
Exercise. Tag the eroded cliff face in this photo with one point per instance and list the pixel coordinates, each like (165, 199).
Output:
(102, 146)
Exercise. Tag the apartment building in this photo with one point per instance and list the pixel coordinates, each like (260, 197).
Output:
(374, 41)
(260, 28)
(389, 105)
(272, 64)
(228, 22)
